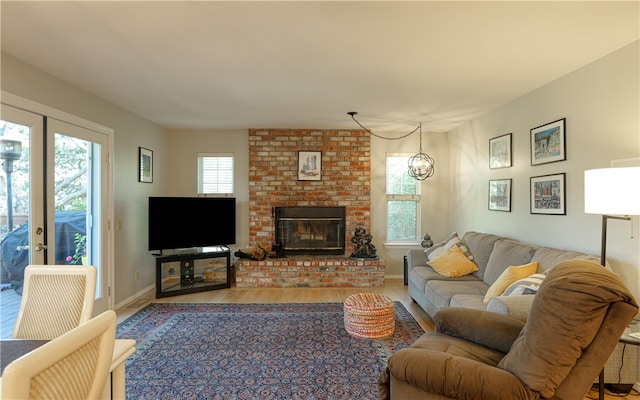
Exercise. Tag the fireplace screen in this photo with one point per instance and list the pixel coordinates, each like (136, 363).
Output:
(310, 230)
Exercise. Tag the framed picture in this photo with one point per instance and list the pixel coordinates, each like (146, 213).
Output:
(309, 165)
(500, 195)
(145, 166)
(548, 194)
(500, 152)
(548, 143)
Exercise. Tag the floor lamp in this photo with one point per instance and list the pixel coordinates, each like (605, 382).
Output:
(614, 193)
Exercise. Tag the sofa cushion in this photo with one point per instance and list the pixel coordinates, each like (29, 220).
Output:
(506, 253)
(473, 301)
(508, 276)
(440, 248)
(453, 263)
(531, 284)
(548, 258)
(573, 300)
(420, 275)
(481, 246)
(439, 293)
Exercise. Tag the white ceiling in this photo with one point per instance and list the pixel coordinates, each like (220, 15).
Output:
(239, 65)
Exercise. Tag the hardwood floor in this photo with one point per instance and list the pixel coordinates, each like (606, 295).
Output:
(394, 288)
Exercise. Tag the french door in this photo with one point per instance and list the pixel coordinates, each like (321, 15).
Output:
(55, 192)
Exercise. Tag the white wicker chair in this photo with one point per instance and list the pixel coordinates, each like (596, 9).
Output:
(75, 365)
(55, 299)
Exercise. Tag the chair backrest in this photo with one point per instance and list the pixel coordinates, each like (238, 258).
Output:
(575, 321)
(593, 358)
(75, 365)
(55, 299)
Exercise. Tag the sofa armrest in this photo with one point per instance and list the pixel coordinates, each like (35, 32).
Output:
(488, 329)
(514, 306)
(416, 258)
(456, 377)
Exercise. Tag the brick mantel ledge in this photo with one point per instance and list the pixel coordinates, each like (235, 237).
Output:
(309, 271)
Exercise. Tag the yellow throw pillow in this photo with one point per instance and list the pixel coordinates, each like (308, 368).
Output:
(508, 276)
(453, 263)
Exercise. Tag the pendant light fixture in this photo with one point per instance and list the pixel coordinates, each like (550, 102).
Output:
(421, 166)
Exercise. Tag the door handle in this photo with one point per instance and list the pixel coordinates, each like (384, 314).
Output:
(40, 247)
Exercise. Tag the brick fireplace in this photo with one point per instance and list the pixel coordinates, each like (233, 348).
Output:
(273, 182)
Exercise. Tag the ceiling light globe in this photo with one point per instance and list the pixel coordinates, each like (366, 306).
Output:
(421, 166)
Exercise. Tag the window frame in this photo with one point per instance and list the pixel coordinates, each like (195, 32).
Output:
(416, 198)
(200, 184)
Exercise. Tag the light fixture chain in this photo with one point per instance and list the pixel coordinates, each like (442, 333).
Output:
(353, 113)
(421, 166)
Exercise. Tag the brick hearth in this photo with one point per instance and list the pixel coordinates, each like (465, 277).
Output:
(309, 271)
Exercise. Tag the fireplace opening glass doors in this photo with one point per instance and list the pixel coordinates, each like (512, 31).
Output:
(310, 230)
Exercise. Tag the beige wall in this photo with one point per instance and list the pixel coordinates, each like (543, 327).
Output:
(130, 196)
(601, 105)
(183, 173)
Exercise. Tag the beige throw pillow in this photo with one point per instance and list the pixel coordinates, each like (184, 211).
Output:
(439, 249)
(508, 276)
(453, 263)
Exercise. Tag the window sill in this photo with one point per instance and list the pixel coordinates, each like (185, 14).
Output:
(401, 245)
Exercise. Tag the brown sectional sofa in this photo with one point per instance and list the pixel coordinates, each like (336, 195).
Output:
(492, 254)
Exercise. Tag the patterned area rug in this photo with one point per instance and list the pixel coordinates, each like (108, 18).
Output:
(255, 351)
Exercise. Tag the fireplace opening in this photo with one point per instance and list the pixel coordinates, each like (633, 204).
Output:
(310, 230)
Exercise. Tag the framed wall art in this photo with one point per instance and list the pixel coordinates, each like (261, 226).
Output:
(548, 142)
(500, 152)
(500, 195)
(309, 165)
(145, 165)
(548, 195)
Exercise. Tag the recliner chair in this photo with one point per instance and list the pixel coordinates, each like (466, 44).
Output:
(575, 322)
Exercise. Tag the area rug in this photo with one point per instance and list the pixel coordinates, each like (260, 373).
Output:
(255, 351)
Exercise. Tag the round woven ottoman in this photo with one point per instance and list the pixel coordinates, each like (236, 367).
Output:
(369, 315)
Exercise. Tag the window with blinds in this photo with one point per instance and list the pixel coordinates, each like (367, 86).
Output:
(215, 173)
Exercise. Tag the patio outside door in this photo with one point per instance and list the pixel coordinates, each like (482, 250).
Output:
(53, 191)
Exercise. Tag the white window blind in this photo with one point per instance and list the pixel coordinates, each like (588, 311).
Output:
(215, 173)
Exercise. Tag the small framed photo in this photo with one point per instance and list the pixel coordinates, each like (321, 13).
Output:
(500, 152)
(548, 194)
(500, 195)
(145, 166)
(309, 165)
(548, 143)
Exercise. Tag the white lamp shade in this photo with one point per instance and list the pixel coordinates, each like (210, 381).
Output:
(612, 191)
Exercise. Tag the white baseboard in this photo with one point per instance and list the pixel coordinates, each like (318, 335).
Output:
(134, 296)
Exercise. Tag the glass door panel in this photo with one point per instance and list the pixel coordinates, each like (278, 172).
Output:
(21, 213)
(22, 235)
(77, 179)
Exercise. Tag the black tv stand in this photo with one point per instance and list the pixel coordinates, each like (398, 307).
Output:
(191, 272)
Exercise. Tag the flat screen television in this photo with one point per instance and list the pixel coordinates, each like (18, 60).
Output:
(189, 222)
